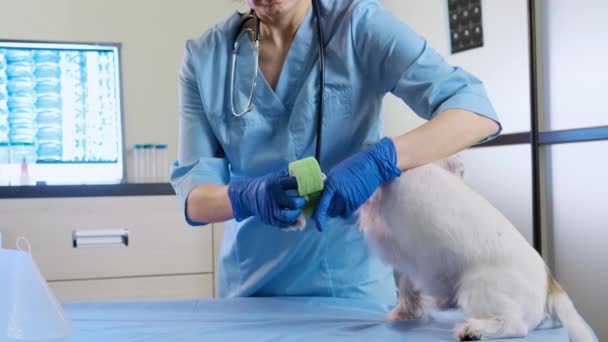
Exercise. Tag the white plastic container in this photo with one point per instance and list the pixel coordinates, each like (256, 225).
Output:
(149, 163)
(162, 166)
(5, 153)
(28, 309)
(21, 151)
(24, 174)
(5, 159)
(138, 163)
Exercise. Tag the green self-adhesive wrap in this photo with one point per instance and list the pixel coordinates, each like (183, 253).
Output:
(310, 181)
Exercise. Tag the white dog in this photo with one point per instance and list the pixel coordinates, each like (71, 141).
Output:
(454, 249)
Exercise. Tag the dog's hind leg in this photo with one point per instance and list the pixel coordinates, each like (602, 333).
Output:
(495, 306)
(411, 303)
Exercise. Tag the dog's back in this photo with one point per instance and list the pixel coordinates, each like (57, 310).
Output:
(430, 211)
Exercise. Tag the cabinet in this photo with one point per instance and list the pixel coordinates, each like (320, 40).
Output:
(164, 258)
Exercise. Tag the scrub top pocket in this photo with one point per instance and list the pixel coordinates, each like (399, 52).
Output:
(339, 122)
(250, 139)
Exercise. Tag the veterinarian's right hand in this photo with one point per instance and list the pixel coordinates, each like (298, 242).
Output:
(268, 198)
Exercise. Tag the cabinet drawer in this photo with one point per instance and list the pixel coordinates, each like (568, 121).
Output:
(160, 242)
(142, 288)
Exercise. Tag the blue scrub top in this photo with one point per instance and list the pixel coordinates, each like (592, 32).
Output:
(368, 53)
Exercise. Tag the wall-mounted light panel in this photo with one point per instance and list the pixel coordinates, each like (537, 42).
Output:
(466, 31)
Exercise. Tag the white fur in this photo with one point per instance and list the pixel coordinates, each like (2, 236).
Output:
(452, 245)
(298, 225)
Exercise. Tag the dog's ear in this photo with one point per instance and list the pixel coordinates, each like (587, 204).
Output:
(453, 164)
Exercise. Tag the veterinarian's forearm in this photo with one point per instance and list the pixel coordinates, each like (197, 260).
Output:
(209, 203)
(447, 133)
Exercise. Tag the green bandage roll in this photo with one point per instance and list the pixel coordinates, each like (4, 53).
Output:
(310, 181)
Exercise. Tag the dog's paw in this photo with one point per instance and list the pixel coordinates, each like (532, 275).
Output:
(401, 313)
(467, 331)
(298, 225)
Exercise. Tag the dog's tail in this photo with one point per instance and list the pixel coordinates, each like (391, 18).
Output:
(559, 305)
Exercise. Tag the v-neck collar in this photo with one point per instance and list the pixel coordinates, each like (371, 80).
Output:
(296, 67)
(297, 63)
(264, 98)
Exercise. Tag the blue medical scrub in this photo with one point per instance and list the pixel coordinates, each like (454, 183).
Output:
(368, 53)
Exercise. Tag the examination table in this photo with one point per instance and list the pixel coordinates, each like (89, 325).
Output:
(262, 319)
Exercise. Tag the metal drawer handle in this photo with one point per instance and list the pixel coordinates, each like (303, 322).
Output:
(100, 238)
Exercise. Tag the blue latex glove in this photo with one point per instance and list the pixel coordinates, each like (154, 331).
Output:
(351, 182)
(269, 198)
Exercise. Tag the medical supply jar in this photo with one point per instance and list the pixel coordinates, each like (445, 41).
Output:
(149, 163)
(5, 153)
(162, 167)
(23, 151)
(5, 158)
(138, 163)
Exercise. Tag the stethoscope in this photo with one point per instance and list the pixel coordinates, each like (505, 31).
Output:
(256, 43)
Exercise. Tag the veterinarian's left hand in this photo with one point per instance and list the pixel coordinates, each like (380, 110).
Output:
(350, 183)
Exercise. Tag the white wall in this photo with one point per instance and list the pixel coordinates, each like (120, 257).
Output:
(502, 64)
(575, 42)
(576, 51)
(152, 34)
(579, 222)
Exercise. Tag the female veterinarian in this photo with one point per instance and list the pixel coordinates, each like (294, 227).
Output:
(252, 91)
